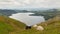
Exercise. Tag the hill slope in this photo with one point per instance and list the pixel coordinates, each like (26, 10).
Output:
(8, 25)
(11, 26)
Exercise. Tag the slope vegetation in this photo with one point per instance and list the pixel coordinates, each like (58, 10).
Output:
(8, 25)
(11, 26)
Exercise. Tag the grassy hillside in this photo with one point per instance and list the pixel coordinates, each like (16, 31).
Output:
(11, 26)
(8, 25)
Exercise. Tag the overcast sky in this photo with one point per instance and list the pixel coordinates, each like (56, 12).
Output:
(29, 3)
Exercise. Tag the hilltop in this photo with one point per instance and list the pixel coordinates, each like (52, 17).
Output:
(11, 26)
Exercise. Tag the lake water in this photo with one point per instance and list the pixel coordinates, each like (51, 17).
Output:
(26, 19)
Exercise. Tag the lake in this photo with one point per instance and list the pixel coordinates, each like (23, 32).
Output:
(28, 20)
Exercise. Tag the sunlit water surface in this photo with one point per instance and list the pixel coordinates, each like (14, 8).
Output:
(26, 19)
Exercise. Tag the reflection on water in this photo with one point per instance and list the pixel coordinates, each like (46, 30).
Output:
(26, 19)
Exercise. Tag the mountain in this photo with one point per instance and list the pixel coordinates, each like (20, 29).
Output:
(47, 14)
(7, 12)
(11, 26)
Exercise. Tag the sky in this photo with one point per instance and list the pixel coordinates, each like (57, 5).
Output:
(14, 4)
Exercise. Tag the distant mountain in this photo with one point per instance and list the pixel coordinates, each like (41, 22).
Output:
(33, 9)
(47, 13)
(7, 12)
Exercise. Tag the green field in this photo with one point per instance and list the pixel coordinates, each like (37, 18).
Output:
(11, 26)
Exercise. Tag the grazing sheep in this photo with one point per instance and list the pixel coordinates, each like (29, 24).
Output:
(40, 28)
(34, 25)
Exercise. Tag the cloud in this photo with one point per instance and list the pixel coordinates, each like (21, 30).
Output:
(30, 3)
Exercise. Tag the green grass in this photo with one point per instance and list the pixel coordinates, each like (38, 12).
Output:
(11, 26)
(50, 29)
(5, 28)
(8, 25)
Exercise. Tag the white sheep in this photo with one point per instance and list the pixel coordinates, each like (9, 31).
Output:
(40, 28)
(34, 25)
